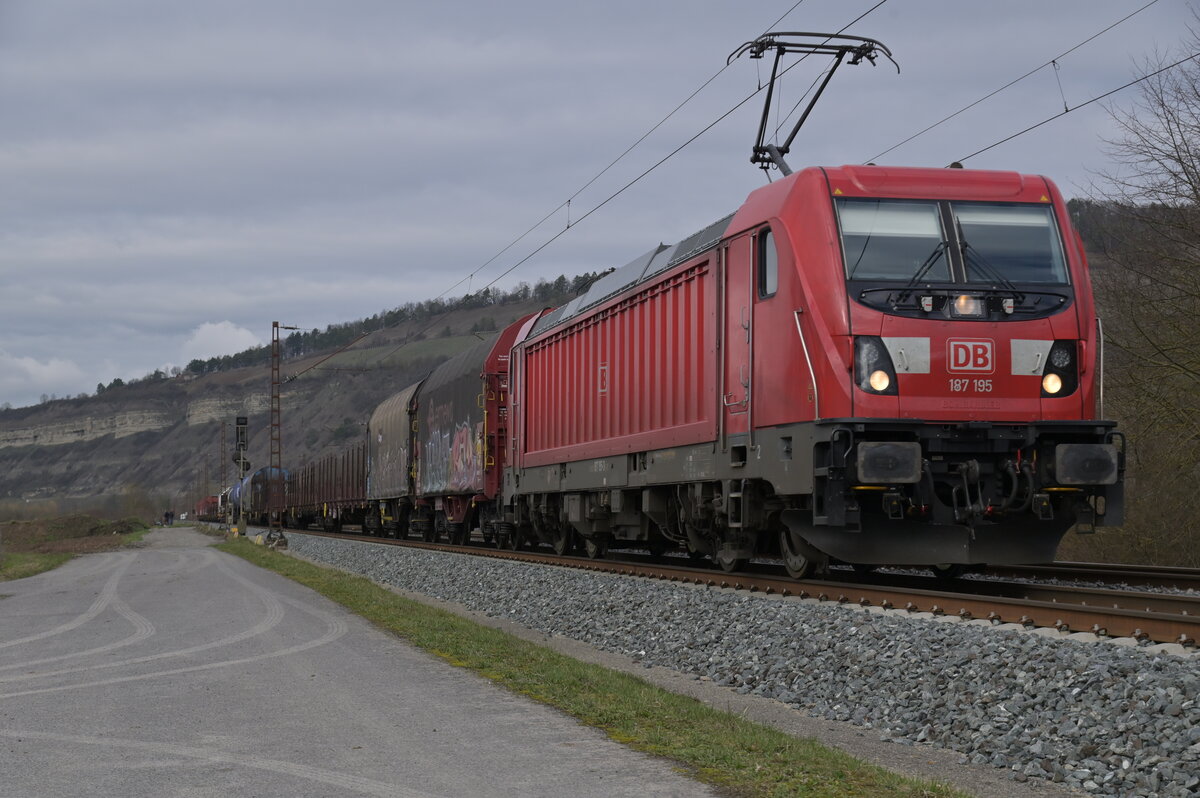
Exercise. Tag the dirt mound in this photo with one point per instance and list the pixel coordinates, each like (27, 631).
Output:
(72, 533)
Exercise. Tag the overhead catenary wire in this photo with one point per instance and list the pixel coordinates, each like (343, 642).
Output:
(559, 234)
(639, 177)
(567, 203)
(666, 157)
(1011, 83)
(749, 97)
(618, 192)
(1084, 104)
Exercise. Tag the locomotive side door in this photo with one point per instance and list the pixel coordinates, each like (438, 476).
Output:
(737, 315)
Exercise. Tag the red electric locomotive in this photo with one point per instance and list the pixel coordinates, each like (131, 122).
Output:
(871, 364)
(864, 363)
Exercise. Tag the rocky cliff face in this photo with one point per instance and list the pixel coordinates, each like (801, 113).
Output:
(163, 437)
(204, 411)
(85, 428)
(84, 423)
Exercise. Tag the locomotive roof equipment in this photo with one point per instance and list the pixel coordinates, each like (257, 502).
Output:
(857, 48)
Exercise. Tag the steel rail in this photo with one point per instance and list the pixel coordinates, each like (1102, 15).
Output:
(1145, 575)
(1110, 613)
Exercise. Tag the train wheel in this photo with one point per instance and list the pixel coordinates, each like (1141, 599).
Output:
(796, 557)
(595, 549)
(727, 562)
(515, 538)
(562, 541)
(945, 572)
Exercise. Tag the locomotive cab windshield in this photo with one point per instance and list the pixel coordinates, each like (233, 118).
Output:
(953, 259)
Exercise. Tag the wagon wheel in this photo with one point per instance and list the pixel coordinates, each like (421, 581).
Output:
(727, 562)
(562, 542)
(515, 538)
(798, 556)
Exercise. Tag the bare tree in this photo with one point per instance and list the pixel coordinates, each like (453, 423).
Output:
(1148, 290)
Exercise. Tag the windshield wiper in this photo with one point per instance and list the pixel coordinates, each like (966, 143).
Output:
(973, 257)
(906, 291)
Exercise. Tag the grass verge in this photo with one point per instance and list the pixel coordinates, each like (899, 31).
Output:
(20, 565)
(742, 757)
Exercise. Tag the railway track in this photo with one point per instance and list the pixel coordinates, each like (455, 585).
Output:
(1105, 611)
(1134, 575)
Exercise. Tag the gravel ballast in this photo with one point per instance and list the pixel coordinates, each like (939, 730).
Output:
(1106, 719)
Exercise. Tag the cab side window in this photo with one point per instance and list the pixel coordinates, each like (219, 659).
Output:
(768, 265)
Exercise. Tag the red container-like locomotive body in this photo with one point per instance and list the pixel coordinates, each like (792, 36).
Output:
(871, 364)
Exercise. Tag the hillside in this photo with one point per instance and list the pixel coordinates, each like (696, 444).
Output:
(157, 443)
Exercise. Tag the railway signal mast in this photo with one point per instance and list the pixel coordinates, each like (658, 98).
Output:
(275, 482)
(841, 47)
(239, 446)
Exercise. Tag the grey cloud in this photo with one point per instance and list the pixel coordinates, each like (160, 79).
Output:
(167, 165)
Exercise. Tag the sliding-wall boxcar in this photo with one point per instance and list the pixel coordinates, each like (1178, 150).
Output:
(330, 491)
(437, 449)
(391, 434)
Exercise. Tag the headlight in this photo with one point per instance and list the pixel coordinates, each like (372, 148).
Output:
(1061, 375)
(969, 307)
(873, 369)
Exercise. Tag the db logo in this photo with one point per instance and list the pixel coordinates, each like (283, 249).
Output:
(971, 354)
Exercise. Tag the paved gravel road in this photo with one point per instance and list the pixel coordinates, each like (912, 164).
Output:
(178, 670)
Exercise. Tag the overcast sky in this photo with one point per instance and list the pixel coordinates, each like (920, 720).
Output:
(174, 175)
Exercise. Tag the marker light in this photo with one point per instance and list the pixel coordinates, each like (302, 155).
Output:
(1061, 375)
(967, 306)
(874, 371)
(1008, 305)
(927, 303)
